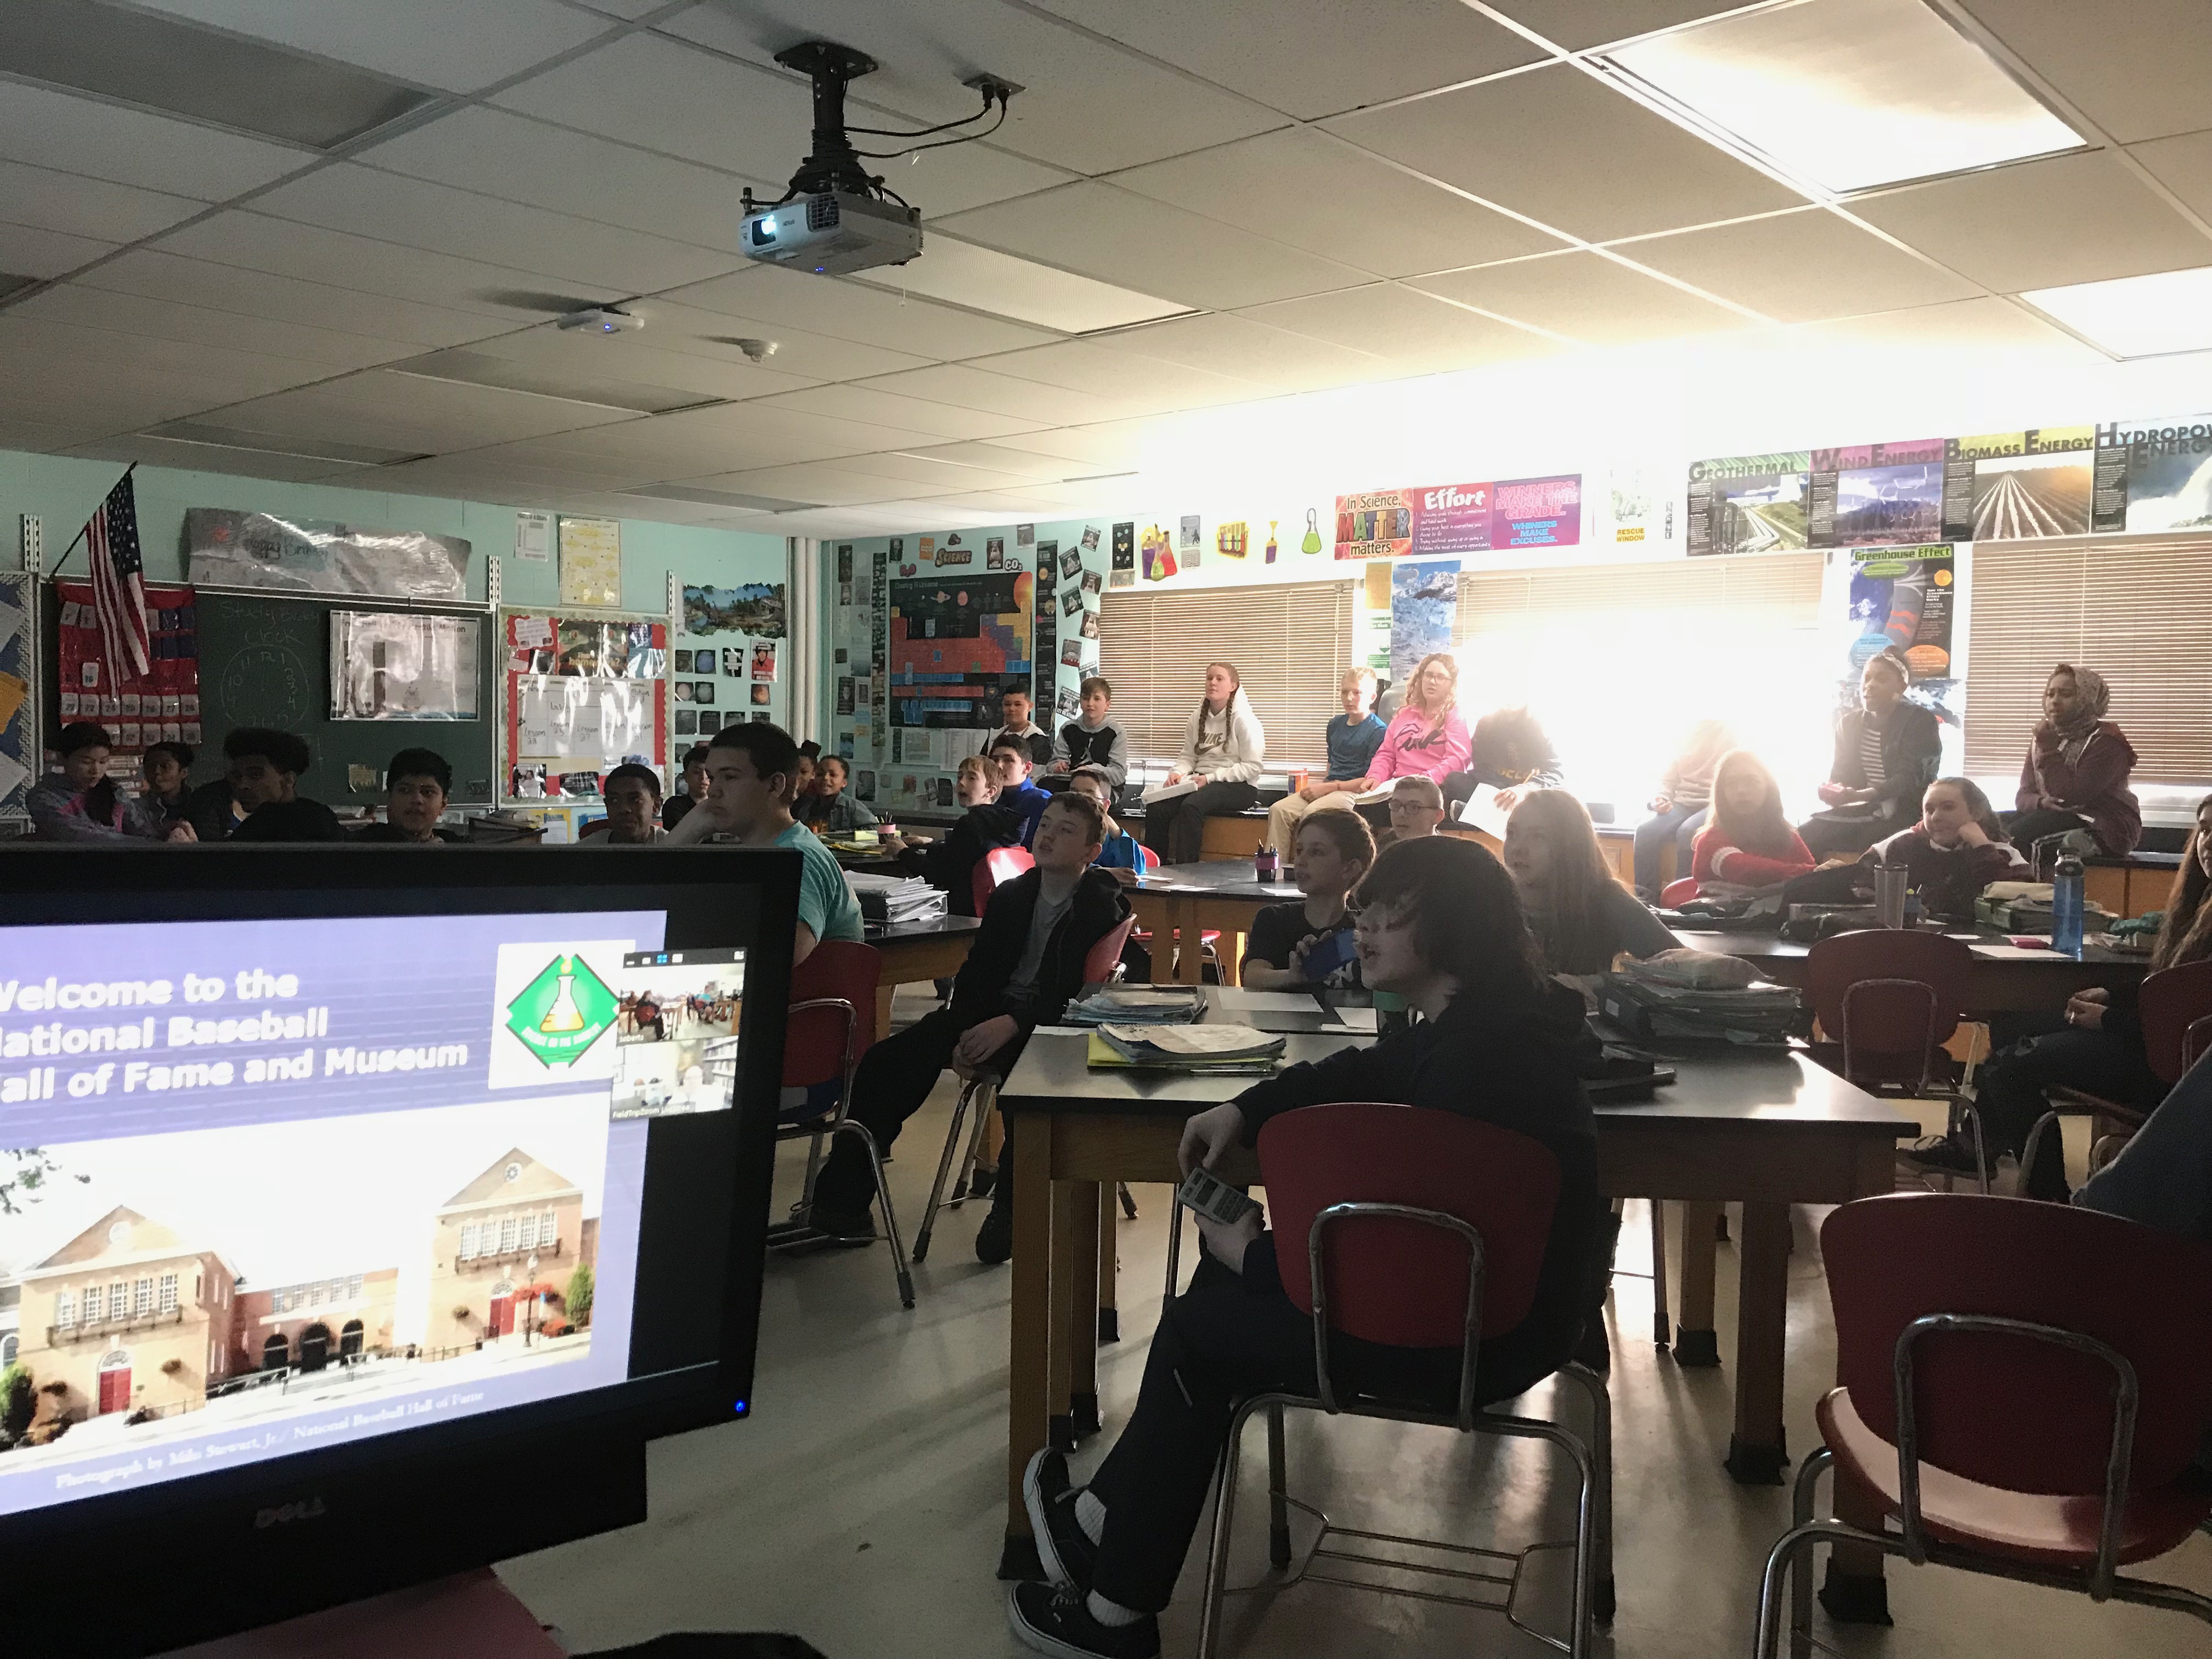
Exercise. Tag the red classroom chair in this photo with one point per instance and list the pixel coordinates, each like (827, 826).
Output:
(997, 867)
(1678, 893)
(1149, 861)
(1419, 1229)
(2023, 1388)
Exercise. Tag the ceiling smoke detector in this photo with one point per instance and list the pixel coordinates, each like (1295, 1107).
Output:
(600, 319)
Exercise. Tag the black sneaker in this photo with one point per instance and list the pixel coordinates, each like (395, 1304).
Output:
(853, 1227)
(994, 1239)
(980, 1181)
(1945, 1154)
(1066, 1549)
(1056, 1621)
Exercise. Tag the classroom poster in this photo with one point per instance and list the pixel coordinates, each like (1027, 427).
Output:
(2154, 475)
(956, 644)
(1424, 600)
(2009, 486)
(1638, 504)
(591, 563)
(1748, 503)
(1876, 495)
(224, 548)
(751, 608)
(1906, 596)
(1423, 520)
(584, 694)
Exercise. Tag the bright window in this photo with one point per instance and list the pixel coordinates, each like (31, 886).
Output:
(118, 1300)
(169, 1292)
(64, 1308)
(469, 1236)
(142, 1296)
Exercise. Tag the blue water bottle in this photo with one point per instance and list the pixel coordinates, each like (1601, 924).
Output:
(2066, 905)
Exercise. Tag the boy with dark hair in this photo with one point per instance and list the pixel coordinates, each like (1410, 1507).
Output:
(830, 810)
(1025, 966)
(632, 794)
(1119, 850)
(416, 787)
(750, 772)
(1018, 797)
(1088, 741)
(694, 787)
(167, 800)
(81, 802)
(1015, 709)
(265, 765)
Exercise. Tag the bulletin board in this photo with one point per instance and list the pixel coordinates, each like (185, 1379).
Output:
(162, 704)
(20, 757)
(583, 694)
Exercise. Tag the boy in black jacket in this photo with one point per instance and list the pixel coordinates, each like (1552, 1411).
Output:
(1025, 966)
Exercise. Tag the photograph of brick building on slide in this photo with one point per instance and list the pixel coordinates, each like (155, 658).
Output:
(265, 1271)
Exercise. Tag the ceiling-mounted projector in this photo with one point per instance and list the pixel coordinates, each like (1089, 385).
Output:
(837, 218)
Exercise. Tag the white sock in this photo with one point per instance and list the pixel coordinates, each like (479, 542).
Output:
(1090, 1515)
(1111, 1613)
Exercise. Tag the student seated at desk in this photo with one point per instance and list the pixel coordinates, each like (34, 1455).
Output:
(1956, 849)
(949, 861)
(1351, 740)
(750, 768)
(632, 794)
(1222, 747)
(2075, 776)
(1748, 843)
(1439, 924)
(1508, 751)
(1118, 850)
(265, 765)
(830, 810)
(1580, 916)
(167, 801)
(1025, 965)
(416, 787)
(694, 787)
(1426, 738)
(1018, 798)
(1679, 810)
(82, 803)
(2098, 1047)
(1888, 751)
(1014, 711)
(1089, 741)
(1417, 809)
(1310, 943)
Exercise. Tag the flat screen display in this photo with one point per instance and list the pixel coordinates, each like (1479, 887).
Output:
(291, 1183)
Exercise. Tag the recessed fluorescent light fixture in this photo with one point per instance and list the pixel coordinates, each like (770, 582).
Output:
(983, 279)
(169, 64)
(2153, 316)
(603, 391)
(270, 443)
(1847, 94)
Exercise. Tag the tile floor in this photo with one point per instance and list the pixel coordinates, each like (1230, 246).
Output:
(860, 1506)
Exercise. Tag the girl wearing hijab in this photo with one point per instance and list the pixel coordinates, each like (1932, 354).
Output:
(1222, 749)
(1888, 751)
(2075, 776)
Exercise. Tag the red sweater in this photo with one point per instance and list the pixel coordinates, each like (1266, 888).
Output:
(2094, 784)
(1715, 858)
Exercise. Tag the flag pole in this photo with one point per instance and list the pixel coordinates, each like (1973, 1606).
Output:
(55, 574)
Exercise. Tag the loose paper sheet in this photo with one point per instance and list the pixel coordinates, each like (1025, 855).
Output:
(1289, 1002)
(1198, 1040)
(1480, 811)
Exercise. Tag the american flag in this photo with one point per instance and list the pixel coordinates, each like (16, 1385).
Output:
(118, 583)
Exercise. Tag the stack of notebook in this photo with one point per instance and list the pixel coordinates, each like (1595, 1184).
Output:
(1756, 1014)
(1235, 1048)
(894, 898)
(1134, 1004)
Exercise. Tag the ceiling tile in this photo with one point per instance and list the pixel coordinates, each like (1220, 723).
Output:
(457, 45)
(930, 469)
(1799, 267)
(997, 394)
(1089, 106)
(2184, 166)
(854, 310)
(1145, 384)
(1292, 186)
(662, 447)
(799, 355)
(1415, 333)
(1576, 24)
(2041, 224)
(1101, 447)
(518, 160)
(265, 295)
(26, 251)
(134, 147)
(1149, 246)
(575, 360)
(1560, 146)
(496, 468)
(215, 458)
(817, 484)
(165, 319)
(416, 213)
(227, 373)
(1269, 357)
(2138, 71)
(1313, 58)
(854, 403)
(760, 435)
(87, 207)
(1010, 465)
(408, 412)
(1986, 325)
(258, 242)
(1586, 297)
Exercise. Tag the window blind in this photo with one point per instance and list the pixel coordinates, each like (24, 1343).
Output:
(2137, 608)
(1744, 592)
(1292, 645)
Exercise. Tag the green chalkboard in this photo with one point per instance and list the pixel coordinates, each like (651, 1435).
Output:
(267, 662)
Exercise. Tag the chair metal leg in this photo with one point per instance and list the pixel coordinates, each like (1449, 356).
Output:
(806, 1205)
(1224, 1509)
(2048, 1122)
(984, 1089)
(1279, 1510)
(1174, 1248)
(1662, 1333)
(1972, 1121)
(1801, 1498)
(1600, 1445)
(890, 1217)
(944, 1168)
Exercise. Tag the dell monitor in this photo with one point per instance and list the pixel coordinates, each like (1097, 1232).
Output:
(364, 1212)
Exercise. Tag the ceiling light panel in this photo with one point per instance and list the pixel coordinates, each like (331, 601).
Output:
(160, 64)
(2150, 316)
(574, 382)
(2136, 70)
(1849, 93)
(1579, 25)
(228, 437)
(985, 280)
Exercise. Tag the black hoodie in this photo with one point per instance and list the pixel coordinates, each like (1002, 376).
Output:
(980, 990)
(1511, 1062)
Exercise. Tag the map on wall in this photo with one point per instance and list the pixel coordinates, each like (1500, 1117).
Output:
(957, 643)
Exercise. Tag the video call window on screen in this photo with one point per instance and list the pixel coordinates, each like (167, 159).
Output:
(676, 1031)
